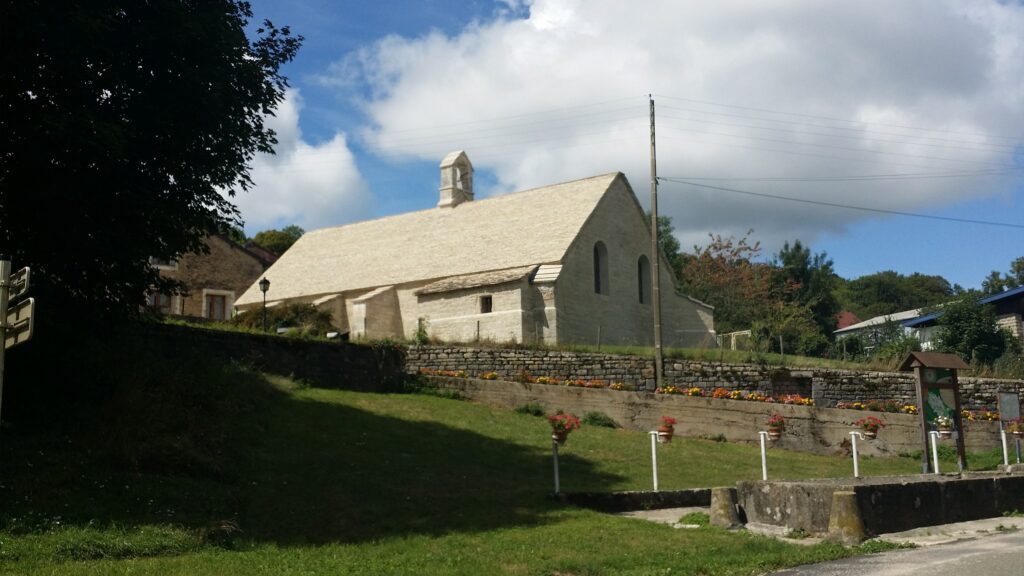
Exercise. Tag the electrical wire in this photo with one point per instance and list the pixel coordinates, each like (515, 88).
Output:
(846, 206)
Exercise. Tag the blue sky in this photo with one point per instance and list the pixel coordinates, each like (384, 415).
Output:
(751, 96)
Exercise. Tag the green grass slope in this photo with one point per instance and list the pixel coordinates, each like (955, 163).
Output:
(193, 468)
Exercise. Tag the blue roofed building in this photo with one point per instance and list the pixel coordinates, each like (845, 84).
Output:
(1009, 306)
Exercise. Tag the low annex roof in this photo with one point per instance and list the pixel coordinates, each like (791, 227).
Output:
(879, 320)
(513, 230)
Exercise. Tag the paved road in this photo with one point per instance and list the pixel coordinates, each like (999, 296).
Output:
(996, 555)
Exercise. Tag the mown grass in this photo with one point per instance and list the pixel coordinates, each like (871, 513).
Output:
(195, 468)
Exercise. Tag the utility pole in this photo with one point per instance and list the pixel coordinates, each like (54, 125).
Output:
(655, 259)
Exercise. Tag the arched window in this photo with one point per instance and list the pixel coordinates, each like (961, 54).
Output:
(600, 268)
(643, 279)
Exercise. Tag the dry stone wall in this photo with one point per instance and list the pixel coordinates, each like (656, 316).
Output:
(826, 386)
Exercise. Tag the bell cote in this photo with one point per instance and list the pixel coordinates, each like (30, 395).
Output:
(456, 180)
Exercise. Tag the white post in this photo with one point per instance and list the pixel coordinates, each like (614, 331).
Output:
(935, 449)
(1006, 453)
(554, 458)
(654, 456)
(764, 455)
(856, 464)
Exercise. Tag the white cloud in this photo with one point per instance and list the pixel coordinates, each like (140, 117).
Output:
(312, 185)
(855, 75)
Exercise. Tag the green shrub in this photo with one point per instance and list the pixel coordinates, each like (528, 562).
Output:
(302, 319)
(531, 409)
(599, 419)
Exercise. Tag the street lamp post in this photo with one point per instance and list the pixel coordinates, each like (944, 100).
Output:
(264, 286)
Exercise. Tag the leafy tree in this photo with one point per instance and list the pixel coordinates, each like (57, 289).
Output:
(235, 234)
(725, 275)
(995, 282)
(124, 124)
(807, 280)
(969, 329)
(277, 241)
(888, 292)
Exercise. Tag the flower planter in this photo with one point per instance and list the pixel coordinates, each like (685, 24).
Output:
(665, 434)
(945, 434)
(871, 434)
(1018, 433)
(560, 436)
(774, 433)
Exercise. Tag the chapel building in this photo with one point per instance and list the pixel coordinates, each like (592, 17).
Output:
(566, 263)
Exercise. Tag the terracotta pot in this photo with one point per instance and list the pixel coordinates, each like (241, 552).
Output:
(774, 433)
(665, 434)
(560, 436)
(871, 434)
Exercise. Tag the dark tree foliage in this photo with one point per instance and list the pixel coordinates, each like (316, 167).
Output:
(995, 282)
(969, 329)
(123, 122)
(277, 241)
(889, 292)
(808, 280)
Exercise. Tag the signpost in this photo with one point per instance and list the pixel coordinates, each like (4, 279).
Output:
(1009, 409)
(938, 394)
(16, 322)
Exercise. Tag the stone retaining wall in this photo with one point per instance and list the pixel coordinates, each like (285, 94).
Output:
(826, 386)
(886, 505)
(325, 364)
(808, 428)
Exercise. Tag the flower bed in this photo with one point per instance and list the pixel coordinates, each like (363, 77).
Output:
(891, 406)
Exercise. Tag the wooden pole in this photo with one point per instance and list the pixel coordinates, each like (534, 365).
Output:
(656, 259)
(958, 419)
(919, 393)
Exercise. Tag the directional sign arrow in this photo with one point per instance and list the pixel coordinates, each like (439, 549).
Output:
(20, 323)
(19, 283)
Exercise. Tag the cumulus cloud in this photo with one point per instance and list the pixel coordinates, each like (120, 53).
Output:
(745, 90)
(312, 185)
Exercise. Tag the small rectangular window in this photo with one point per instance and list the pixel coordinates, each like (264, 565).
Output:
(486, 304)
(216, 307)
(159, 302)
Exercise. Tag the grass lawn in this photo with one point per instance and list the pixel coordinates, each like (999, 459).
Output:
(249, 474)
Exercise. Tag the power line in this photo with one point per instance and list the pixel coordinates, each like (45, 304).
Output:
(863, 136)
(837, 147)
(833, 119)
(847, 206)
(857, 178)
(859, 130)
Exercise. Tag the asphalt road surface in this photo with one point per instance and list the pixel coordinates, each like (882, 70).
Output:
(996, 555)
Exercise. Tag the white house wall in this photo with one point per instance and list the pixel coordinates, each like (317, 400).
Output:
(455, 316)
(618, 317)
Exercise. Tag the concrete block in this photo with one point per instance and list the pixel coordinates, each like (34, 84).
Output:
(724, 512)
(844, 523)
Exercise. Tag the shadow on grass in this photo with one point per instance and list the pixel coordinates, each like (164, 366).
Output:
(242, 458)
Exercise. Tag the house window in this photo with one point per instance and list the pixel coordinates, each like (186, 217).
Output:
(216, 306)
(643, 279)
(486, 304)
(600, 268)
(163, 264)
(159, 302)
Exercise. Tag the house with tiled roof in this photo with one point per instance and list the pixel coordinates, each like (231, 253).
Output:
(565, 263)
(212, 280)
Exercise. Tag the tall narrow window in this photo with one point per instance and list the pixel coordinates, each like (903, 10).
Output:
(600, 268)
(486, 304)
(643, 279)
